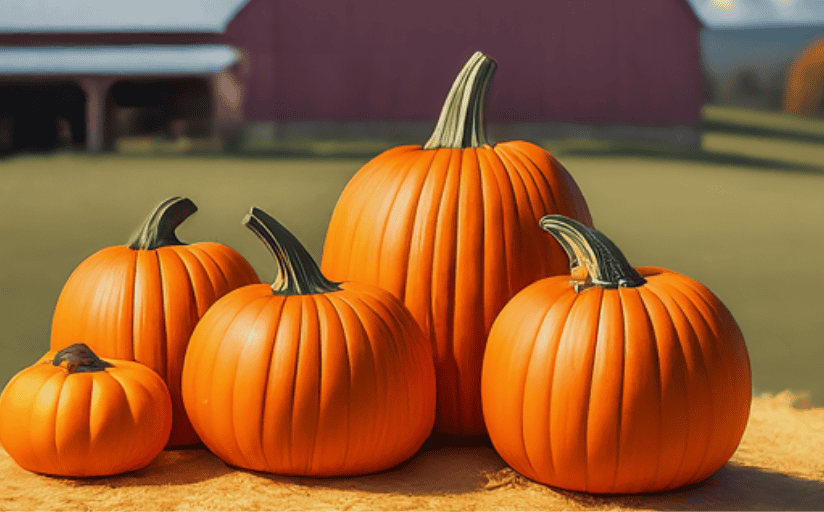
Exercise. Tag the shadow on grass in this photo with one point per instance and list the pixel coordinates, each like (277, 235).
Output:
(298, 153)
(598, 150)
(309, 150)
(761, 131)
(258, 154)
(245, 154)
(689, 154)
(733, 487)
(319, 148)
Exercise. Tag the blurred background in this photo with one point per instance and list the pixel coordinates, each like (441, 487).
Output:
(694, 128)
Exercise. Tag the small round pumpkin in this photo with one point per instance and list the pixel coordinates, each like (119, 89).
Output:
(308, 376)
(614, 379)
(445, 227)
(74, 414)
(141, 301)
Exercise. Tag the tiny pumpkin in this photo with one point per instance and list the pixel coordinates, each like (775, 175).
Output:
(308, 376)
(74, 414)
(614, 379)
(141, 301)
(445, 227)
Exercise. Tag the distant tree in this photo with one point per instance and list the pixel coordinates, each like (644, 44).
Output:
(748, 84)
(708, 89)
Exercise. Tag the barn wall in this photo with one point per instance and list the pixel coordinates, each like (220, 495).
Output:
(584, 61)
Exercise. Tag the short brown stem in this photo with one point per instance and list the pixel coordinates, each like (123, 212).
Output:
(79, 358)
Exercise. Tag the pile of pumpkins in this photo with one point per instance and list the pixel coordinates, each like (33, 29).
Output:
(462, 291)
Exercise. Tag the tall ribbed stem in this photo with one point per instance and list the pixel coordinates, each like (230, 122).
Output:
(298, 274)
(461, 124)
(605, 264)
(158, 230)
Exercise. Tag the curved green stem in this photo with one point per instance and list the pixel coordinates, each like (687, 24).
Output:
(461, 123)
(158, 230)
(298, 274)
(79, 358)
(606, 265)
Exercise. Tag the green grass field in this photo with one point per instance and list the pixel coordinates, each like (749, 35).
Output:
(744, 214)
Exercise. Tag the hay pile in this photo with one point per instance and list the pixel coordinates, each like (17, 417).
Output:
(779, 465)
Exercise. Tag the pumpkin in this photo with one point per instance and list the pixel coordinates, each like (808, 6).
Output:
(91, 417)
(308, 376)
(450, 228)
(141, 301)
(802, 89)
(614, 379)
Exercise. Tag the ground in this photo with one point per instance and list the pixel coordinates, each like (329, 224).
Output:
(772, 470)
(743, 214)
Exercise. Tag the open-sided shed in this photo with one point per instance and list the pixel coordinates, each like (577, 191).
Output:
(84, 72)
(366, 67)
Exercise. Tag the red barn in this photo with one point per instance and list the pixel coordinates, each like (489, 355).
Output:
(345, 68)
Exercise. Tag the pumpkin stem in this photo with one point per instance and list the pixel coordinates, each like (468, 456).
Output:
(461, 124)
(605, 264)
(298, 274)
(158, 230)
(80, 358)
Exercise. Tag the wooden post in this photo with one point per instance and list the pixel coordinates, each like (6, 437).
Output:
(227, 111)
(95, 89)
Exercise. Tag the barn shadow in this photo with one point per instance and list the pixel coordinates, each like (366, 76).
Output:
(720, 126)
(41, 117)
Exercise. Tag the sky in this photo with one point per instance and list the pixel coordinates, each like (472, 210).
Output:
(759, 13)
(212, 15)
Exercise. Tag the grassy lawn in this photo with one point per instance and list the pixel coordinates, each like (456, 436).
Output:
(744, 214)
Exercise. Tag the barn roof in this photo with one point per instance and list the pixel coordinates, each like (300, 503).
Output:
(117, 16)
(116, 60)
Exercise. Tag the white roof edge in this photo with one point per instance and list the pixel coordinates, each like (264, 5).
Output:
(117, 60)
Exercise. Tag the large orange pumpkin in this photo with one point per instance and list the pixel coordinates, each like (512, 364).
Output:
(308, 376)
(450, 228)
(91, 417)
(614, 379)
(141, 301)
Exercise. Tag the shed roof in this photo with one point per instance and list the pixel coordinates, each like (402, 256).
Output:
(117, 16)
(116, 60)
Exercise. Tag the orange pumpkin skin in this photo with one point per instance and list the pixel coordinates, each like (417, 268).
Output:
(319, 384)
(85, 424)
(142, 305)
(452, 232)
(616, 390)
